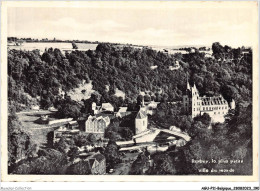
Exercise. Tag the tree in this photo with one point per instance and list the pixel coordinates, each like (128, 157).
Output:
(163, 164)
(49, 161)
(73, 153)
(68, 109)
(81, 139)
(140, 99)
(147, 98)
(127, 133)
(61, 145)
(205, 119)
(138, 165)
(91, 138)
(112, 154)
(19, 142)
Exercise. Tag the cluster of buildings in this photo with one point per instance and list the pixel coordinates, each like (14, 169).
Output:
(195, 105)
(105, 107)
(66, 128)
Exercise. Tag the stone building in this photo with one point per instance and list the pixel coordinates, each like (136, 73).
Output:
(97, 125)
(217, 107)
(141, 121)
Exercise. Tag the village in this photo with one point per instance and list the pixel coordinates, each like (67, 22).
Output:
(147, 137)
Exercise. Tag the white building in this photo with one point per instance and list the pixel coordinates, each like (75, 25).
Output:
(217, 107)
(96, 124)
(141, 122)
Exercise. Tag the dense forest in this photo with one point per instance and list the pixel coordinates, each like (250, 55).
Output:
(38, 79)
(30, 74)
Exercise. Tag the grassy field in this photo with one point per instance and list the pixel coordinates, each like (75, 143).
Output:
(38, 131)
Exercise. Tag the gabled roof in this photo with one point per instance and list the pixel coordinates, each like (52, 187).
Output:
(107, 105)
(213, 100)
(141, 114)
(107, 119)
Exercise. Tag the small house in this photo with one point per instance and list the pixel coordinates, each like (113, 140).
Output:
(97, 164)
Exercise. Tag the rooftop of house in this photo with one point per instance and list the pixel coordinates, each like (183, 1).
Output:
(99, 157)
(106, 105)
(213, 100)
(95, 157)
(98, 118)
(141, 114)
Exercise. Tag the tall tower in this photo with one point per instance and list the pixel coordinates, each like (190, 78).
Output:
(141, 122)
(196, 102)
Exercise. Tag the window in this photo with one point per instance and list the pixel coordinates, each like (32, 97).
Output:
(215, 113)
(206, 108)
(194, 109)
(226, 107)
(143, 123)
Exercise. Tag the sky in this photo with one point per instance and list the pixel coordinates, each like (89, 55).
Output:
(153, 25)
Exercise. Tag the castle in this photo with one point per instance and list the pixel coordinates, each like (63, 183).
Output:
(217, 107)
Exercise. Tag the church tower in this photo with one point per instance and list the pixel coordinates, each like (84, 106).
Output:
(141, 122)
(196, 102)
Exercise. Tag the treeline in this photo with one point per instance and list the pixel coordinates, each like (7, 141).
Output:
(128, 69)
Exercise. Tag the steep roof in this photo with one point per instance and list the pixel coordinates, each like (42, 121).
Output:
(91, 162)
(141, 114)
(213, 100)
(107, 105)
